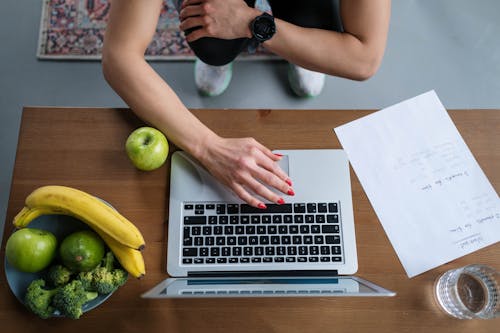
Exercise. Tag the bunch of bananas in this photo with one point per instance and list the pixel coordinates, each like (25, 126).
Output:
(121, 235)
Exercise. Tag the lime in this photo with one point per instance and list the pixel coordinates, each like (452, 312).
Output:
(82, 251)
(31, 250)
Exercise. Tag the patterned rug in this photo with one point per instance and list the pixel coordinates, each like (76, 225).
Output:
(74, 29)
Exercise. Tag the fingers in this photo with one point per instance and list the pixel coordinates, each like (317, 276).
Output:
(269, 178)
(248, 183)
(200, 22)
(268, 161)
(191, 11)
(186, 3)
(262, 171)
(194, 22)
(197, 34)
(243, 194)
(266, 151)
(275, 169)
(223, 19)
(243, 191)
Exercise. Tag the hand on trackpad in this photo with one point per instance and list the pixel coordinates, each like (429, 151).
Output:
(284, 165)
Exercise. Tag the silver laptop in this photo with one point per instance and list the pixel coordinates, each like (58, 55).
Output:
(218, 246)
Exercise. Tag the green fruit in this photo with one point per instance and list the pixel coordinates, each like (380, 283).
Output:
(82, 251)
(31, 250)
(147, 148)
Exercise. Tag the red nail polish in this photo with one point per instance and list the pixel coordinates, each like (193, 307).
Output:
(288, 181)
(281, 201)
(262, 206)
(279, 155)
(290, 192)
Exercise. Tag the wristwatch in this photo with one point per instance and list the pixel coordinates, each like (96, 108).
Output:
(263, 27)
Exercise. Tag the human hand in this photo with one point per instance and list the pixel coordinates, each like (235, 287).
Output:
(224, 19)
(245, 165)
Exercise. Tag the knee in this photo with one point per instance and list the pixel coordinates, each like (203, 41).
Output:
(217, 52)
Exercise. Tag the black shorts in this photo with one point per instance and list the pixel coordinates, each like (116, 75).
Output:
(321, 14)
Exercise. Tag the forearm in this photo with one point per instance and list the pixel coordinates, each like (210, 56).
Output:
(330, 52)
(241, 164)
(237, 163)
(154, 101)
(355, 53)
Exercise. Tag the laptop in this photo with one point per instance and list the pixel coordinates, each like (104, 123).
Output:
(218, 246)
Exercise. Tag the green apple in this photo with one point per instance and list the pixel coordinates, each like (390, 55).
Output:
(31, 250)
(147, 148)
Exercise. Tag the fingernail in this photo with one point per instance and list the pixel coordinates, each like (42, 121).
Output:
(288, 181)
(281, 201)
(279, 155)
(290, 192)
(261, 206)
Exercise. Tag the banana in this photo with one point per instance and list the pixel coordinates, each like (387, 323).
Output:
(26, 215)
(95, 213)
(130, 259)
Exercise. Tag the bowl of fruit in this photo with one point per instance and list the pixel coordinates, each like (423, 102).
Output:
(62, 262)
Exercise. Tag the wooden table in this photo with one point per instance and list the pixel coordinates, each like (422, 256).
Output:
(84, 148)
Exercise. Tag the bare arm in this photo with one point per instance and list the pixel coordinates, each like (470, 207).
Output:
(241, 164)
(355, 54)
(130, 29)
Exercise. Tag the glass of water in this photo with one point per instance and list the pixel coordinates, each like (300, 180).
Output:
(469, 292)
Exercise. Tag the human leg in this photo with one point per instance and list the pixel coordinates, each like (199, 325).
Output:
(319, 14)
(215, 51)
(213, 67)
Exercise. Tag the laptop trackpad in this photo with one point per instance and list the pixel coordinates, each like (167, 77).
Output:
(284, 165)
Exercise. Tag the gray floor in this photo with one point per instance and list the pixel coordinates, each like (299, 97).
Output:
(451, 46)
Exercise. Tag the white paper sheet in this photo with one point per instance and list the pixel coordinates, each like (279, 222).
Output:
(428, 191)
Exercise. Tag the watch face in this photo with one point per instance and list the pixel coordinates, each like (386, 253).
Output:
(264, 28)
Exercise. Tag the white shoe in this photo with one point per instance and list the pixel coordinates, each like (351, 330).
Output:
(305, 83)
(262, 5)
(212, 80)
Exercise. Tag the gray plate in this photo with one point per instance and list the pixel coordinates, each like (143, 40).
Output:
(61, 226)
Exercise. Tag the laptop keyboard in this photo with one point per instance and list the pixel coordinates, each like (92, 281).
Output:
(222, 233)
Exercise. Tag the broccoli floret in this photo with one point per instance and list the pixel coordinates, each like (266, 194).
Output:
(58, 275)
(38, 299)
(70, 298)
(106, 281)
(87, 279)
(104, 278)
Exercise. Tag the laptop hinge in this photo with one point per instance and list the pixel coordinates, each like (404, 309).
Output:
(297, 273)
